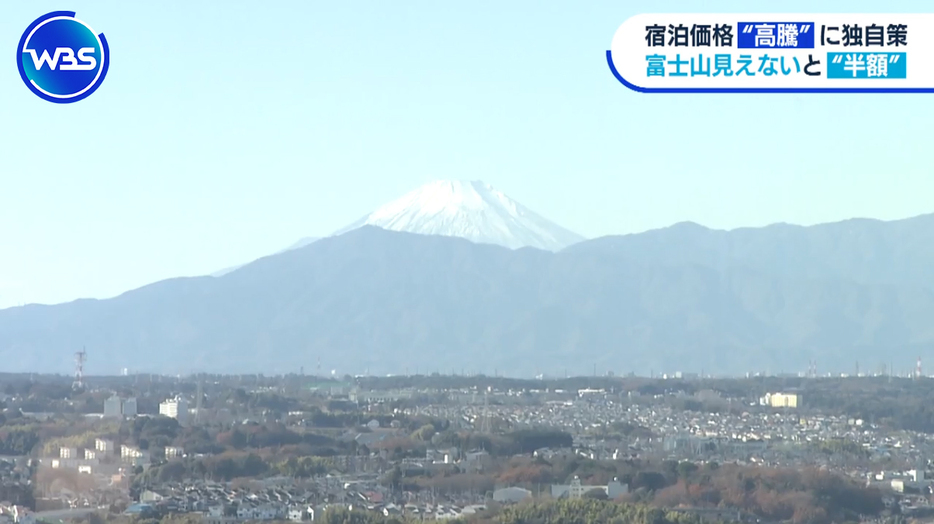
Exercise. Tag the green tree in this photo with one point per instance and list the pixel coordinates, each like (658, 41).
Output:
(424, 433)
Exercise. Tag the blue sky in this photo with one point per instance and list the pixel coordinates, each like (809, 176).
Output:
(222, 135)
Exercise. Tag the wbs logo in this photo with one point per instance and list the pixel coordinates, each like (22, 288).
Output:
(61, 59)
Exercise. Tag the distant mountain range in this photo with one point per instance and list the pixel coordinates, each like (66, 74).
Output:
(683, 298)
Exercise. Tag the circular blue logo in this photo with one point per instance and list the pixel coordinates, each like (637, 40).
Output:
(61, 59)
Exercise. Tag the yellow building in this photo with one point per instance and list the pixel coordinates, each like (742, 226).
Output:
(782, 400)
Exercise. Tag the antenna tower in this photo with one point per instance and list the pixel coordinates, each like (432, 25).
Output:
(812, 369)
(80, 358)
(485, 423)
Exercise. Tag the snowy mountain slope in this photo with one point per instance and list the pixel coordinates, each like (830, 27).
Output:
(471, 210)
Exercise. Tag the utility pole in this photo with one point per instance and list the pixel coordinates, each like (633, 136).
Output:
(198, 394)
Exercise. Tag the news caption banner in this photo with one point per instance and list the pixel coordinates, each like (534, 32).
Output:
(777, 53)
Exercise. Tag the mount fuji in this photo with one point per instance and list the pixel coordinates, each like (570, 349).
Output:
(471, 210)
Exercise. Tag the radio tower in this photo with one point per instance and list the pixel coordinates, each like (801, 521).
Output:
(812, 369)
(80, 358)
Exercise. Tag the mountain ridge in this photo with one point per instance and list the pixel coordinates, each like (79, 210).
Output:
(387, 301)
(859, 249)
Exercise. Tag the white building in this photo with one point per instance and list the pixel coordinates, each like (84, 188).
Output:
(511, 495)
(129, 407)
(174, 452)
(90, 454)
(131, 454)
(104, 446)
(141, 459)
(176, 408)
(68, 453)
(268, 511)
(113, 407)
(116, 407)
(576, 490)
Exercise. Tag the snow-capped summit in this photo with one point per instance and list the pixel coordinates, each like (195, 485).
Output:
(471, 210)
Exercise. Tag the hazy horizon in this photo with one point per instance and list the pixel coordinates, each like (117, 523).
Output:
(303, 242)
